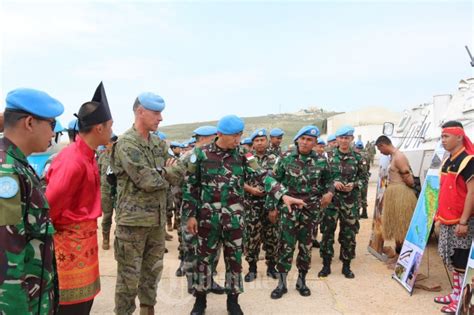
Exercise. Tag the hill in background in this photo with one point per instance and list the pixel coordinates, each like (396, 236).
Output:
(289, 122)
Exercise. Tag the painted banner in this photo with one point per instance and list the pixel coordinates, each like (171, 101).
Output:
(466, 302)
(418, 233)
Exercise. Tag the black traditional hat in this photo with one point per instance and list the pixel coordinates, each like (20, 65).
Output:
(100, 114)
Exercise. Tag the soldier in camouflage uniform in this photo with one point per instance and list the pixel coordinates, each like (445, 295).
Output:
(359, 148)
(108, 193)
(276, 137)
(139, 161)
(258, 228)
(28, 278)
(213, 195)
(320, 150)
(347, 171)
(306, 176)
(174, 195)
(188, 242)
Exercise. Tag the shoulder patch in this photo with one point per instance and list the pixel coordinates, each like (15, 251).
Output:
(193, 158)
(8, 187)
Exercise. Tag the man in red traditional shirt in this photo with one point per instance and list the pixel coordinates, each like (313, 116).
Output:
(73, 192)
(455, 208)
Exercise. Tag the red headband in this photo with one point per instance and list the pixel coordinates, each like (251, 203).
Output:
(458, 131)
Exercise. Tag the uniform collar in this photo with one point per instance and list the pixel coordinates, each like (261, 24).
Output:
(13, 150)
(213, 147)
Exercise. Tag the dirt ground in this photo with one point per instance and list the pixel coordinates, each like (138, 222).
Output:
(373, 291)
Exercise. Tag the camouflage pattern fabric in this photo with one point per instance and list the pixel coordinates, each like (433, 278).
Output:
(365, 185)
(213, 195)
(275, 150)
(258, 229)
(307, 177)
(108, 192)
(26, 243)
(137, 248)
(345, 168)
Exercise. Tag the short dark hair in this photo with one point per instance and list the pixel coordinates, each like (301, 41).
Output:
(11, 118)
(452, 123)
(383, 140)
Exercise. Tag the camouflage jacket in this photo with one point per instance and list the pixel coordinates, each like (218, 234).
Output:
(26, 238)
(142, 179)
(104, 164)
(305, 176)
(347, 168)
(214, 188)
(275, 150)
(266, 162)
(366, 166)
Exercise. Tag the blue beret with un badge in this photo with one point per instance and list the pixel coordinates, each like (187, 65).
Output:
(247, 140)
(359, 144)
(312, 131)
(332, 138)
(205, 131)
(321, 141)
(35, 102)
(276, 132)
(151, 101)
(261, 132)
(345, 131)
(230, 125)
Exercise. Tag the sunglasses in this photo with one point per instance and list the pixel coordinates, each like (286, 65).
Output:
(52, 122)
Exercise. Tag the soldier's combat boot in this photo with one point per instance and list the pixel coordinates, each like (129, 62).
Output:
(252, 275)
(147, 309)
(326, 270)
(346, 269)
(105, 241)
(271, 272)
(316, 244)
(281, 287)
(216, 288)
(199, 307)
(180, 271)
(363, 215)
(233, 307)
(301, 284)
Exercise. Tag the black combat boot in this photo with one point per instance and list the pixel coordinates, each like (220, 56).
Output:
(326, 270)
(301, 284)
(316, 244)
(252, 275)
(180, 271)
(346, 269)
(216, 288)
(364, 215)
(233, 307)
(281, 287)
(271, 272)
(199, 307)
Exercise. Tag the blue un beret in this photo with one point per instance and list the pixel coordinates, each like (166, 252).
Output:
(73, 125)
(58, 127)
(35, 102)
(205, 131)
(151, 101)
(276, 132)
(345, 131)
(230, 125)
(160, 134)
(332, 138)
(246, 141)
(359, 144)
(307, 131)
(175, 144)
(321, 141)
(191, 140)
(261, 132)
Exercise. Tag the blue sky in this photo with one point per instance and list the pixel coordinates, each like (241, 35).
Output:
(209, 59)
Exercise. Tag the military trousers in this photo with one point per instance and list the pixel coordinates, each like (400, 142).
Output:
(363, 196)
(348, 218)
(139, 254)
(297, 226)
(210, 237)
(260, 231)
(107, 201)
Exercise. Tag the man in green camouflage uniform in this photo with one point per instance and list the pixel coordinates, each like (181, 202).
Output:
(188, 242)
(359, 148)
(347, 171)
(108, 193)
(306, 176)
(139, 161)
(276, 137)
(258, 228)
(28, 279)
(213, 196)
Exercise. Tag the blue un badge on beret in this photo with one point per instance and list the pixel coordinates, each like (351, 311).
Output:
(8, 187)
